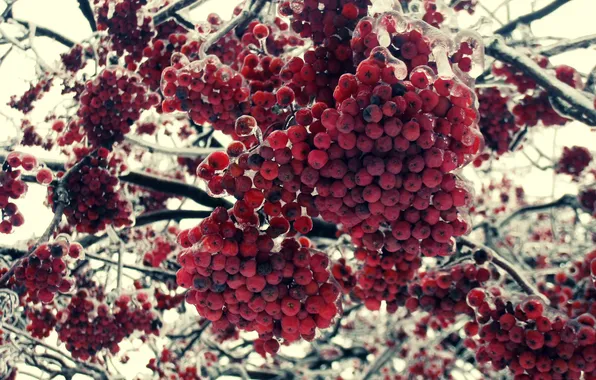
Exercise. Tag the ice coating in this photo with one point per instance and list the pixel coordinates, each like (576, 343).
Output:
(382, 6)
(474, 42)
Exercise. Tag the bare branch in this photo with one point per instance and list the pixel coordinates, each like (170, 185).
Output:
(45, 32)
(533, 16)
(249, 12)
(171, 10)
(80, 366)
(152, 217)
(567, 45)
(175, 187)
(567, 200)
(180, 152)
(154, 272)
(516, 274)
(580, 107)
(87, 11)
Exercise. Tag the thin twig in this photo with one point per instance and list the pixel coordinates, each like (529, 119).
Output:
(79, 364)
(532, 16)
(61, 200)
(567, 45)
(45, 32)
(248, 13)
(515, 273)
(170, 11)
(58, 212)
(154, 272)
(567, 200)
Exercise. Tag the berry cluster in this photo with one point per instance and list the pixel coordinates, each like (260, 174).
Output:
(574, 160)
(530, 340)
(569, 75)
(269, 102)
(236, 277)
(34, 93)
(535, 106)
(516, 77)
(343, 275)
(167, 301)
(94, 199)
(111, 104)
(41, 322)
(497, 123)
(569, 289)
(330, 26)
(321, 20)
(31, 137)
(532, 109)
(384, 277)
(587, 199)
(275, 37)
(443, 293)
(129, 28)
(162, 248)
(228, 49)
(401, 141)
(159, 53)
(208, 90)
(13, 187)
(75, 59)
(88, 327)
(44, 271)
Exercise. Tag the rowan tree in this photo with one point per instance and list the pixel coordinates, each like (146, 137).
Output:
(317, 189)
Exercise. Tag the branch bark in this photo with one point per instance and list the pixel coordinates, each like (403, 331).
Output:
(152, 217)
(180, 152)
(174, 187)
(249, 12)
(567, 200)
(580, 107)
(533, 16)
(87, 11)
(515, 273)
(170, 11)
(45, 32)
(567, 45)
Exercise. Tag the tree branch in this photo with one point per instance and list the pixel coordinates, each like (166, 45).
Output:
(580, 107)
(151, 217)
(249, 12)
(591, 82)
(87, 11)
(566, 200)
(180, 152)
(154, 272)
(62, 199)
(45, 32)
(174, 187)
(533, 16)
(79, 365)
(170, 11)
(499, 261)
(567, 45)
